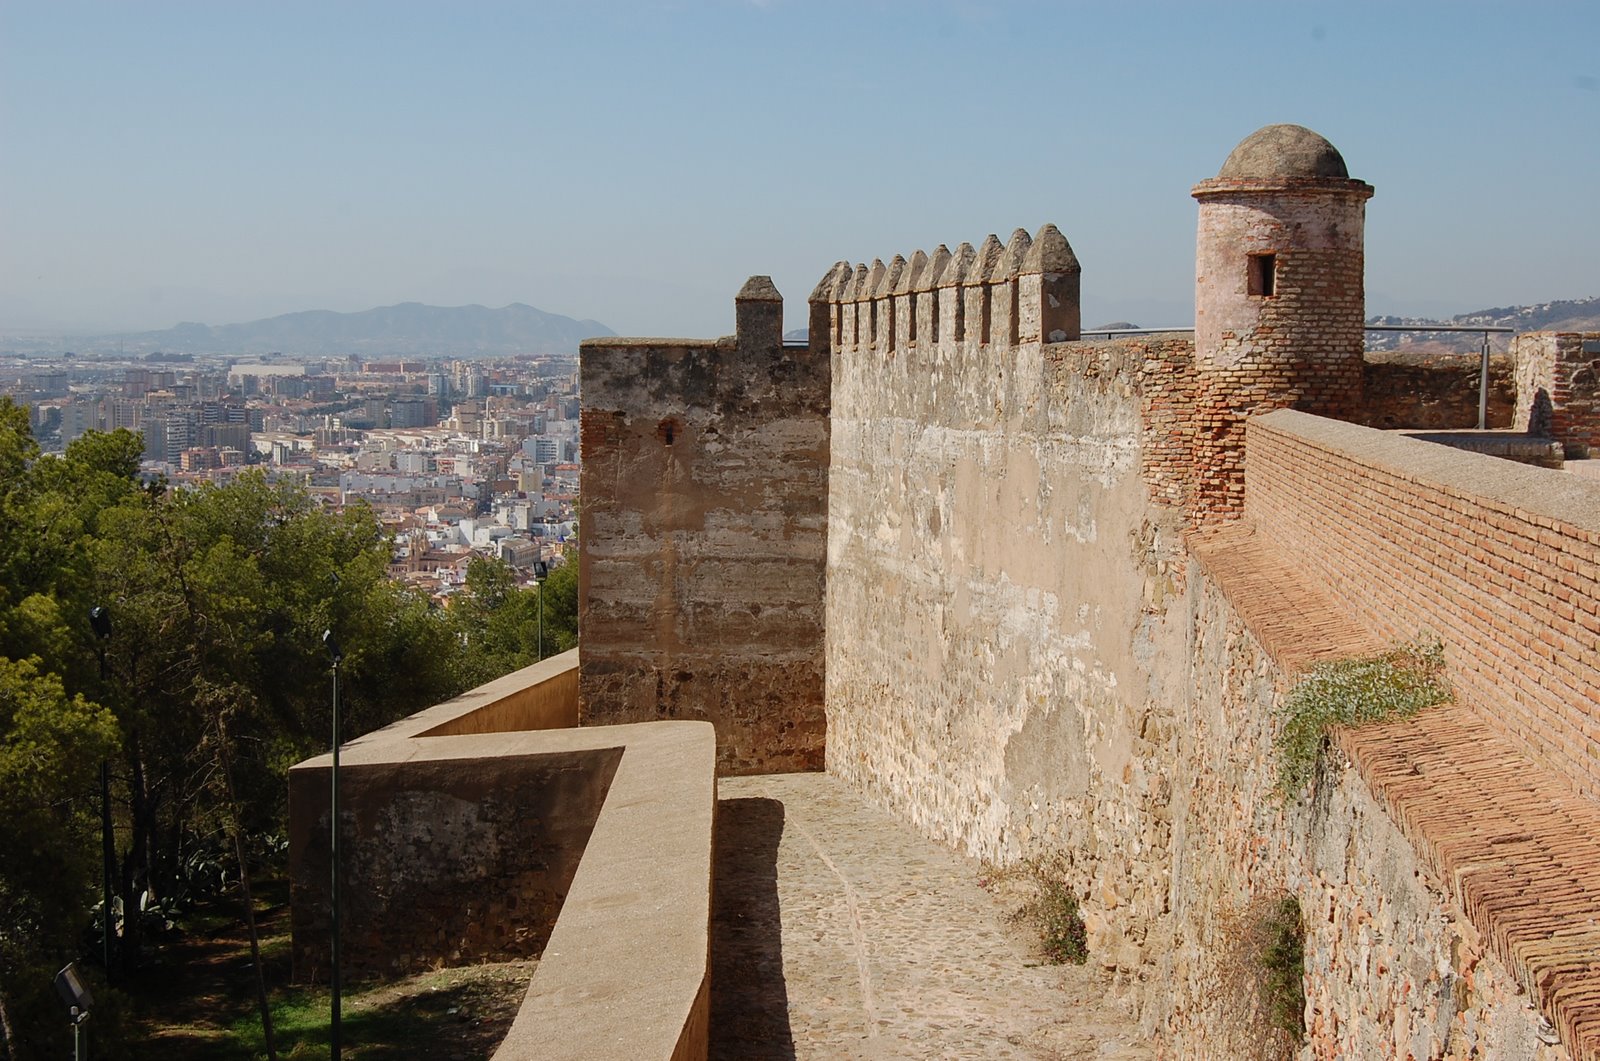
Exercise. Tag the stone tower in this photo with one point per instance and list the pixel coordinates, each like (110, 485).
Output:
(1279, 294)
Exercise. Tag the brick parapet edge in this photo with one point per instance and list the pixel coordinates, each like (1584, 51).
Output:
(1501, 561)
(1514, 850)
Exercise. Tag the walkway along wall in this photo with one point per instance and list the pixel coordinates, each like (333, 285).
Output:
(702, 536)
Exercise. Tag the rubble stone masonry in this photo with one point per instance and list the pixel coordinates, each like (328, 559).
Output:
(703, 536)
(1558, 387)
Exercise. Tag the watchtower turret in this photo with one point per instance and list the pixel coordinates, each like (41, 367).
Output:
(1279, 292)
(1280, 297)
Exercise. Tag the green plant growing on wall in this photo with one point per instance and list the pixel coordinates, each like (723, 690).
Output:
(1349, 692)
(1283, 965)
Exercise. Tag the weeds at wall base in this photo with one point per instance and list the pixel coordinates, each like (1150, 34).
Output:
(1050, 908)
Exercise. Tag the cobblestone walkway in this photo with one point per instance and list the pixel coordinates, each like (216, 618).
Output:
(841, 933)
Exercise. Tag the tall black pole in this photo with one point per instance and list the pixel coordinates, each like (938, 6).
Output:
(108, 855)
(333, 832)
(100, 623)
(334, 818)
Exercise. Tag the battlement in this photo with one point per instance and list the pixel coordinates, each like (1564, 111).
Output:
(1023, 291)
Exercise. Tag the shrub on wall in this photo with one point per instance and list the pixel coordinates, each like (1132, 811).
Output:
(1349, 692)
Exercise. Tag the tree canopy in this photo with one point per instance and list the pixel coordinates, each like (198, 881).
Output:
(209, 661)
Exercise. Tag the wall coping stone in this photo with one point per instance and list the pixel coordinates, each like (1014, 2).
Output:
(1511, 486)
(626, 972)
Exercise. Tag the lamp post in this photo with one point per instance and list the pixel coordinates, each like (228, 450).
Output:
(100, 623)
(78, 1001)
(541, 571)
(336, 655)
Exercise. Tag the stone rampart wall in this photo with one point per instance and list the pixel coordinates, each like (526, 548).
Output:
(705, 468)
(1024, 659)
(1500, 560)
(997, 580)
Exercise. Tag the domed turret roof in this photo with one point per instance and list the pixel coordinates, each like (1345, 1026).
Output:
(1284, 151)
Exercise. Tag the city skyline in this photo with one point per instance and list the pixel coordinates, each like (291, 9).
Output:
(633, 163)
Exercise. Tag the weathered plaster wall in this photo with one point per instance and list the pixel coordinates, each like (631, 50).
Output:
(703, 531)
(997, 583)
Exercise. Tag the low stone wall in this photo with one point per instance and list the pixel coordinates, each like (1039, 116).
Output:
(467, 837)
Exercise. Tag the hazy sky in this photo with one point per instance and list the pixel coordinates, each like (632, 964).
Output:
(634, 162)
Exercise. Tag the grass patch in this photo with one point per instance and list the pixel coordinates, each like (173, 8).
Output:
(196, 1000)
(432, 1014)
(1062, 936)
(1349, 692)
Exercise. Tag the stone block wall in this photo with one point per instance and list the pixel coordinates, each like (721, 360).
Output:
(703, 536)
(1558, 387)
(1500, 560)
(448, 862)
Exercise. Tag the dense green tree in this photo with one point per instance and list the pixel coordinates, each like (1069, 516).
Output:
(497, 622)
(51, 745)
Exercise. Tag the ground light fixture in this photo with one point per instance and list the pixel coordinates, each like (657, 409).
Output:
(76, 997)
(336, 655)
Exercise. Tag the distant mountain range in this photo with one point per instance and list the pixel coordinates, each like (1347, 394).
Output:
(408, 328)
(1570, 315)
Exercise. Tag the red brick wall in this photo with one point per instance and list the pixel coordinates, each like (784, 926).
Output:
(1500, 560)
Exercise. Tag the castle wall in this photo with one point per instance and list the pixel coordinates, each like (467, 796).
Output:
(1392, 968)
(997, 574)
(1499, 560)
(1558, 387)
(1025, 659)
(703, 530)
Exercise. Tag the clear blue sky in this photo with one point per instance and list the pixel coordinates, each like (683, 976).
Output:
(634, 162)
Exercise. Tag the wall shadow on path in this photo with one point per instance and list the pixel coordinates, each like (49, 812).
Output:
(749, 999)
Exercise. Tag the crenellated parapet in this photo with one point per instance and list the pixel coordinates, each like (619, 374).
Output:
(1022, 291)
